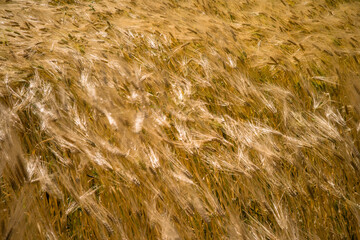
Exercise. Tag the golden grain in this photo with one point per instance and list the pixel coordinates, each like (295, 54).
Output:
(190, 119)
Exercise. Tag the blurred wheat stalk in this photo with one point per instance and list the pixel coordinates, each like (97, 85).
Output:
(196, 119)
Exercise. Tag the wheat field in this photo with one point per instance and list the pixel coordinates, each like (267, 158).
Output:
(169, 119)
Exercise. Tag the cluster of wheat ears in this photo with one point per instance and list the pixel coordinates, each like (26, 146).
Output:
(169, 119)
